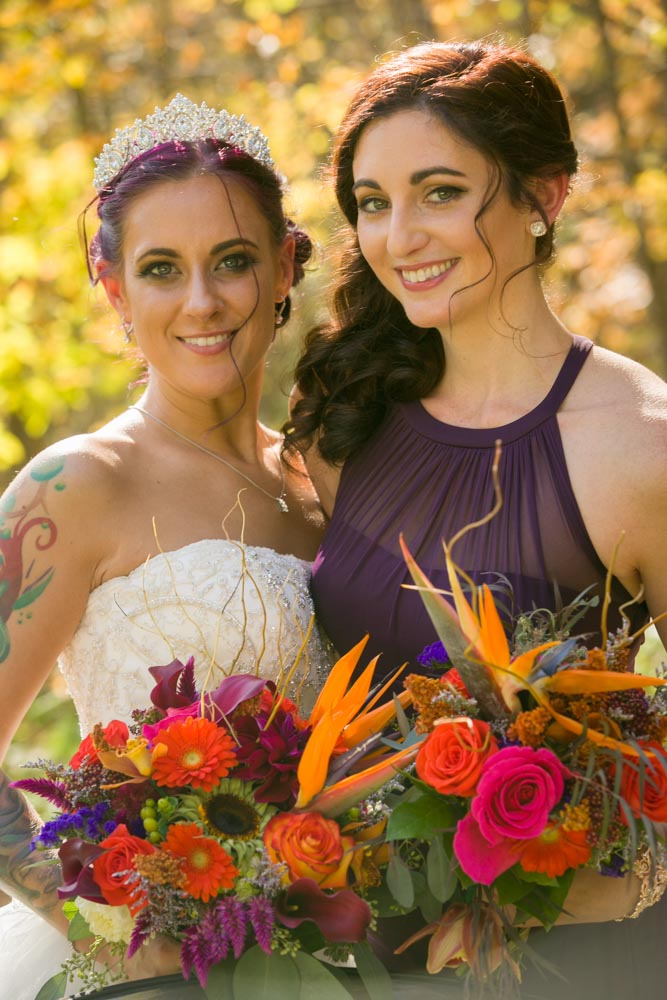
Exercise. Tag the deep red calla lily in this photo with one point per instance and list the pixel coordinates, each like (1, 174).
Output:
(76, 862)
(175, 686)
(341, 916)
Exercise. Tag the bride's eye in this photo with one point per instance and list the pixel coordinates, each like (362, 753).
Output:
(236, 263)
(158, 269)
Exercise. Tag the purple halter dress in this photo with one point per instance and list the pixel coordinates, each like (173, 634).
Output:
(428, 479)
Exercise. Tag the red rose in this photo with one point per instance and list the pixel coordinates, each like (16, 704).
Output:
(450, 758)
(651, 780)
(116, 734)
(112, 868)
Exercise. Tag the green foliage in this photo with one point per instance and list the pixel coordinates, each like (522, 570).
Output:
(73, 70)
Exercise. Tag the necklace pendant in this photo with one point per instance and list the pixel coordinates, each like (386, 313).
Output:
(282, 503)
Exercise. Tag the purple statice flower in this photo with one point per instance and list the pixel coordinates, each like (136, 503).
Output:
(85, 820)
(262, 917)
(614, 866)
(434, 656)
(234, 921)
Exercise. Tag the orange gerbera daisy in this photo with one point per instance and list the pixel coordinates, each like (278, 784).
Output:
(555, 850)
(192, 752)
(206, 865)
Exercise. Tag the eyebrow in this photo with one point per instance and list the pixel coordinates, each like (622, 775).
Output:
(416, 178)
(239, 241)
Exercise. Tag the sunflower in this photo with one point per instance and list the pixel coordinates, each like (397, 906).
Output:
(232, 814)
(193, 752)
(206, 865)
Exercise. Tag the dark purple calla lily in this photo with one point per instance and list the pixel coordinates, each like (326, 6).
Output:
(342, 916)
(231, 692)
(175, 686)
(76, 862)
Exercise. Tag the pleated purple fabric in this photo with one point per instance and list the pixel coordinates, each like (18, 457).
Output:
(428, 479)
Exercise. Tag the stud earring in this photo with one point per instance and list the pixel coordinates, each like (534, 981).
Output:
(280, 319)
(128, 329)
(538, 228)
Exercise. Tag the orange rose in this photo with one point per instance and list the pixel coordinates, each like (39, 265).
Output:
(311, 847)
(653, 784)
(116, 734)
(450, 758)
(112, 868)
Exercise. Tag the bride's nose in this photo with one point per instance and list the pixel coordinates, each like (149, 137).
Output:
(202, 298)
(405, 233)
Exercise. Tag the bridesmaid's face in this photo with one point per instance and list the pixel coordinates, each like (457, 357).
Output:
(199, 281)
(419, 190)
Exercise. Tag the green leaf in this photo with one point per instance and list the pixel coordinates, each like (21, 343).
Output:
(399, 880)
(440, 873)
(5, 644)
(259, 976)
(374, 976)
(317, 980)
(54, 988)
(32, 593)
(220, 980)
(420, 819)
(70, 909)
(78, 929)
(429, 907)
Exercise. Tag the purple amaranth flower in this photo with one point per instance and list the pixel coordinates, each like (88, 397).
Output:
(270, 755)
(56, 792)
(234, 921)
(204, 945)
(434, 656)
(262, 917)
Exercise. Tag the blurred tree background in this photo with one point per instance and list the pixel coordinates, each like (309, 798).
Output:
(73, 70)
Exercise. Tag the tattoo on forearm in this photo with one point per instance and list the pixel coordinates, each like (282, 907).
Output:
(22, 873)
(19, 586)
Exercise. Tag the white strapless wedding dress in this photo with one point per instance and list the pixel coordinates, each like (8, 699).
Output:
(236, 609)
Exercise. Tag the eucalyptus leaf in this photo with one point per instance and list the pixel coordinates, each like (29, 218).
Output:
(399, 880)
(54, 988)
(259, 976)
(429, 907)
(440, 873)
(374, 976)
(78, 928)
(220, 980)
(317, 980)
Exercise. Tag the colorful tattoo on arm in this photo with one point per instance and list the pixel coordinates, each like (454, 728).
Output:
(19, 587)
(22, 871)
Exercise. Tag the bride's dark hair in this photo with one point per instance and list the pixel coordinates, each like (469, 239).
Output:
(172, 161)
(495, 98)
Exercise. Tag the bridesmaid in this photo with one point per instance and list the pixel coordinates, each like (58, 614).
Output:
(451, 166)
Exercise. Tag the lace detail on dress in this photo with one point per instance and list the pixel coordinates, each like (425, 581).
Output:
(236, 609)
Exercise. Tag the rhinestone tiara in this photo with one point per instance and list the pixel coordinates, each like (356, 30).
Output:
(180, 121)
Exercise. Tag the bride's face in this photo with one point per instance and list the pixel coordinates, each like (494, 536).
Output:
(199, 279)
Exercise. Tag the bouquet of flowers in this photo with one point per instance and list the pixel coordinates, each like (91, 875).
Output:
(230, 823)
(536, 761)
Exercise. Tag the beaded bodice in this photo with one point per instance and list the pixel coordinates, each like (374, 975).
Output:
(236, 609)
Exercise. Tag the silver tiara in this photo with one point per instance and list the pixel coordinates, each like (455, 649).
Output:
(180, 121)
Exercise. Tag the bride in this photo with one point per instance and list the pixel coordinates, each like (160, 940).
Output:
(176, 529)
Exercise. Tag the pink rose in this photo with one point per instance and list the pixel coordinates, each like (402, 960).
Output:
(518, 788)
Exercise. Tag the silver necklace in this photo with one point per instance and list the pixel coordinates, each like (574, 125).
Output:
(280, 500)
